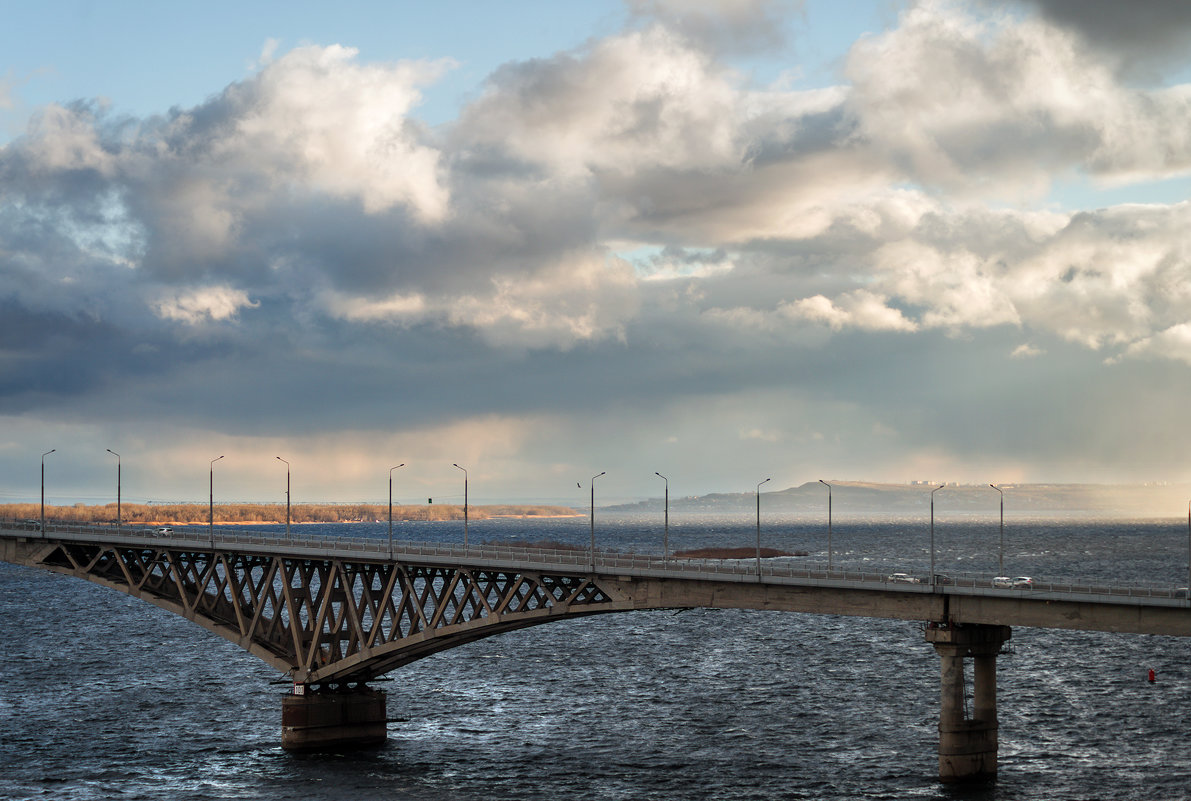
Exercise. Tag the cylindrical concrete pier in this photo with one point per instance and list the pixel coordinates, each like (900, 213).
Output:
(967, 745)
(330, 719)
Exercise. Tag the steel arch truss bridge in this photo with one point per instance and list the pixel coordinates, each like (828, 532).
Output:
(329, 619)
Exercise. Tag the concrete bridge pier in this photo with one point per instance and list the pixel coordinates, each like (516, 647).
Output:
(328, 718)
(967, 744)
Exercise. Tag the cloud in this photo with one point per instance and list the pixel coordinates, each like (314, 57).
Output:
(1000, 106)
(763, 436)
(202, 304)
(641, 99)
(1143, 35)
(631, 234)
(1171, 343)
(726, 26)
(583, 298)
(860, 309)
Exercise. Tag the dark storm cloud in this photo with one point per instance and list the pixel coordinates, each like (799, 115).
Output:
(1143, 34)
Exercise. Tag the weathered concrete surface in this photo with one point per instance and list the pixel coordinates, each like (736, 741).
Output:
(331, 720)
(946, 604)
(967, 745)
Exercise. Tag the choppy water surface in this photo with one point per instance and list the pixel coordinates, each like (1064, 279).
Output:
(103, 696)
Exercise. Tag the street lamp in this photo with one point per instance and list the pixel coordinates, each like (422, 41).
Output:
(1001, 553)
(825, 484)
(593, 478)
(286, 496)
(464, 504)
(666, 535)
(759, 527)
(211, 513)
(113, 453)
(43, 456)
(932, 534)
(391, 469)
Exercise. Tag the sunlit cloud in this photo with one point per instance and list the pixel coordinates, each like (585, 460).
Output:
(203, 304)
(626, 225)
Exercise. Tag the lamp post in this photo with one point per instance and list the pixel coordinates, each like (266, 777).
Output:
(113, 453)
(43, 456)
(1001, 552)
(932, 534)
(464, 504)
(286, 496)
(666, 533)
(759, 527)
(391, 469)
(211, 508)
(825, 484)
(593, 478)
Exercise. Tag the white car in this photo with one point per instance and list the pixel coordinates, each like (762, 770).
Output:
(164, 530)
(1022, 582)
(902, 578)
(1003, 583)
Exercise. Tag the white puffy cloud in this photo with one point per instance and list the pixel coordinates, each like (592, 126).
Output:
(639, 100)
(65, 139)
(860, 309)
(321, 120)
(1002, 105)
(201, 304)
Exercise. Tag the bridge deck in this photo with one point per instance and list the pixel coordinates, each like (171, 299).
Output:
(795, 571)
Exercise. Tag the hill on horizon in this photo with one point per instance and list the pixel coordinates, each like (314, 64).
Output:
(874, 498)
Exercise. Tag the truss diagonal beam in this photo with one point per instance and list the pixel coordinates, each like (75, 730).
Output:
(332, 619)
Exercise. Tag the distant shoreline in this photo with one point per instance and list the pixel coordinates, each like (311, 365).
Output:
(257, 514)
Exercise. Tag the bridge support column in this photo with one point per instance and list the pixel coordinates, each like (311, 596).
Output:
(327, 719)
(967, 745)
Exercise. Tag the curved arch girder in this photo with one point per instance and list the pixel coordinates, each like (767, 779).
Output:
(332, 619)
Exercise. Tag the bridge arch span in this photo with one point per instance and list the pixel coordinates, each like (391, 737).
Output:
(331, 619)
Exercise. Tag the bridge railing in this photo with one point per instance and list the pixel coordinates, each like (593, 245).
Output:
(773, 567)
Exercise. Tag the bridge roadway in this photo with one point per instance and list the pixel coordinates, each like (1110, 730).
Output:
(334, 613)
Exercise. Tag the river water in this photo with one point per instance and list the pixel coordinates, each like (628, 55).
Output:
(106, 697)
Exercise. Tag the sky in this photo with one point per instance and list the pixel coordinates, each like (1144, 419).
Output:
(720, 240)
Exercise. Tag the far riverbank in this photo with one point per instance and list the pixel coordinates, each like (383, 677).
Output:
(135, 514)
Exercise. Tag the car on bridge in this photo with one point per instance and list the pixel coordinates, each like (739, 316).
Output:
(1015, 583)
(902, 578)
(163, 530)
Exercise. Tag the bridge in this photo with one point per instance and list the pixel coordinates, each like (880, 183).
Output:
(336, 613)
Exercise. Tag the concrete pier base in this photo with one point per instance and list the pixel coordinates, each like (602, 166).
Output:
(967, 744)
(331, 719)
